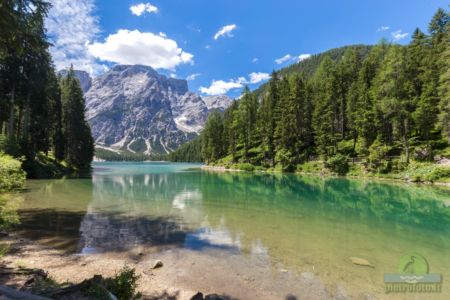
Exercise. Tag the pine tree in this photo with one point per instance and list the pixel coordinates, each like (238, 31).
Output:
(327, 108)
(79, 143)
(346, 74)
(245, 121)
(444, 86)
(268, 118)
(229, 132)
(393, 91)
(212, 144)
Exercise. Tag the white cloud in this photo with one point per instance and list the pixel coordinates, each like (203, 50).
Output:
(399, 35)
(71, 25)
(220, 87)
(255, 60)
(207, 47)
(303, 57)
(225, 31)
(144, 48)
(173, 75)
(258, 77)
(289, 57)
(142, 8)
(383, 28)
(283, 59)
(192, 76)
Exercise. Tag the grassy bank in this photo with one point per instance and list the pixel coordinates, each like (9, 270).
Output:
(415, 171)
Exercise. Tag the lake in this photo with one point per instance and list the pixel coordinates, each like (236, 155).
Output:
(251, 236)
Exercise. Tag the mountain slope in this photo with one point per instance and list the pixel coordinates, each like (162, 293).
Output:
(309, 66)
(137, 110)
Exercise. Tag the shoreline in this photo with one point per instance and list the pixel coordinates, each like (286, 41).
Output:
(183, 275)
(325, 175)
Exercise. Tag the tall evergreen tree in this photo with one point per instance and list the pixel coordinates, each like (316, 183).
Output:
(444, 86)
(268, 118)
(327, 109)
(245, 121)
(393, 91)
(79, 148)
(212, 147)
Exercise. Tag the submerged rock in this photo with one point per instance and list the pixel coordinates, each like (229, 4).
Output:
(361, 262)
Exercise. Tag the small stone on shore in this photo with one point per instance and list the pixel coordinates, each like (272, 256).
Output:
(157, 264)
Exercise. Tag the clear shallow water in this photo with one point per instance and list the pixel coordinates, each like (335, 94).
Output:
(302, 224)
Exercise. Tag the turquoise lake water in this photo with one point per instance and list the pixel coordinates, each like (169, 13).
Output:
(304, 223)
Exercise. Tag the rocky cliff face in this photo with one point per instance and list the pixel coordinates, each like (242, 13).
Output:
(83, 77)
(135, 109)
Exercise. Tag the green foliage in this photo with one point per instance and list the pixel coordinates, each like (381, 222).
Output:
(377, 105)
(4, 248)
(8, 211)
(212, 138)
(338, 164)
(79, 147)
(311, 167)
(46, 166)
(36, 113)
(189, 152)
(438, 173)
(124, 284)
(244, 167)
(123, 155)
(11, 174)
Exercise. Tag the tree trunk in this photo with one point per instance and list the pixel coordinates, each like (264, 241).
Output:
(405, 140)
(26, 119)
(11, 115)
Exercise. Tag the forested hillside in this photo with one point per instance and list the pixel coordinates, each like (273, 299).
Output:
(41, 116)
(307, 67)
(385, 105)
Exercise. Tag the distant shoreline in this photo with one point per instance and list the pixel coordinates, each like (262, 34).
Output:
(328, 175)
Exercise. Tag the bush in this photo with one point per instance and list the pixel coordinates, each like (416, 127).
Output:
(244, 167)
(311, 167)
(123, 286)
(347, 147)
(11, 174)
(338, 164)
(285, 158)
(438, 173)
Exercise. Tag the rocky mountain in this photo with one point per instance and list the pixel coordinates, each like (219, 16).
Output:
(83, 77)
(135, 109)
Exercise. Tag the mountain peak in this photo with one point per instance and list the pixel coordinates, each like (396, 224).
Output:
(135, 109)
(134, 69)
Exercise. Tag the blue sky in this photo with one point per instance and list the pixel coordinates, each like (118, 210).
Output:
(222, 45)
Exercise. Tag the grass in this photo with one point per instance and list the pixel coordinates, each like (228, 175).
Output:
(8, 211)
